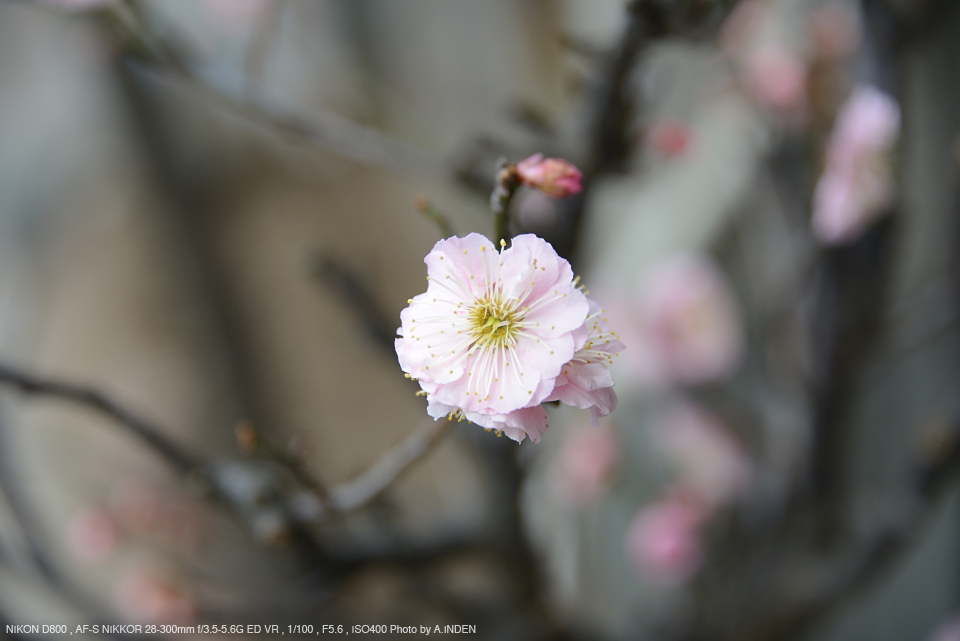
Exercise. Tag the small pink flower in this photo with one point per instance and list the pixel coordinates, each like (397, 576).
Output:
(553, 176)
(92, 535)
(146, 595)
(493, 331)
(777, 78)
(584, 466)
(710, 464)
(689, 322)
(664, 540)
(857, 185)
(670, 139)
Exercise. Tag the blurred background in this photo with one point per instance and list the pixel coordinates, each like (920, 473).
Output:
(212, 213)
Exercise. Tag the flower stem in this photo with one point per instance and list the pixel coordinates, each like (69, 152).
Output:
(503, 191)
(435, 216)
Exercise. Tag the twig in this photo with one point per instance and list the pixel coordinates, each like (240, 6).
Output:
(348, 284)
(504, 189)
(321, 129)
(146, 431)
(251, 441)
(869, 559)
(437, 217)
(368, 486)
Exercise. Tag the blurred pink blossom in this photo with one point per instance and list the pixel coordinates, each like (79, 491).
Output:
(777, 78)
(835, 29)
(553, 176)
(147, 595)
(92, 535)
(689, 322)
(584, 465)
(857, 183)
(670, 139)
(709, 462)
(663, 540)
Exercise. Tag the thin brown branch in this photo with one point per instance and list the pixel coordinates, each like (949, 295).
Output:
(93, 399)
(368, 486)
(319, 129)
(435, 216)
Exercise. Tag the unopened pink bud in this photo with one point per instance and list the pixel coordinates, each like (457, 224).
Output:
(553, 176)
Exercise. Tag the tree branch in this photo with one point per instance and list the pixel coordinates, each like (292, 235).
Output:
(325, 130)
(140, 427)
(368, 486)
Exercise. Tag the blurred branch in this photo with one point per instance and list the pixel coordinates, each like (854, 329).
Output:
(610, 144)
(368, 486)
(36, 556)
(345, 281)
(251, 441)
(869, 559)
(437, 217)
(321, 129)
(143, 429)
(504, 188)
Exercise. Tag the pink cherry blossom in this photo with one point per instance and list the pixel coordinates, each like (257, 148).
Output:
(689, 322)
(709, 463)
(857, 185)
(92, 535)
(584, 466)
(553, 176)
(663, 540)
(147, 595)
(493, 331)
